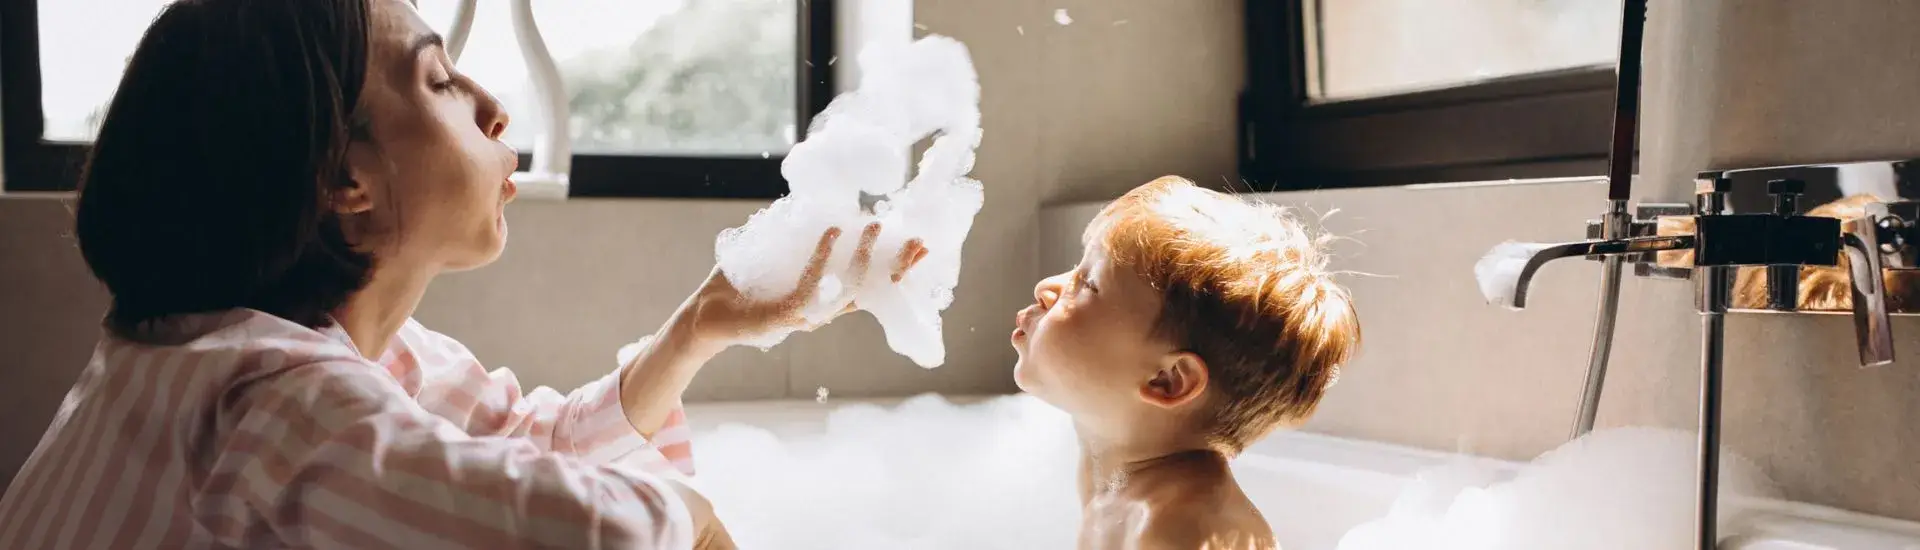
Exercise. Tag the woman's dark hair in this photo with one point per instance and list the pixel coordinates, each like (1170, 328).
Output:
(209, 185)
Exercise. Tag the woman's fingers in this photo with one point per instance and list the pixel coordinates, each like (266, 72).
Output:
(910, 255)
(816, 270)
(863, 256)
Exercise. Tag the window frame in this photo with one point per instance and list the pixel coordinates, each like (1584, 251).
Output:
(33, 163)
(1539, 125)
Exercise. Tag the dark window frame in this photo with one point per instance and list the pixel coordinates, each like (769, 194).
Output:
(1552, 124)
(33, 163)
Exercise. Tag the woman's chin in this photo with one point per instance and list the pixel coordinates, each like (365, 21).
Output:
(491, 245)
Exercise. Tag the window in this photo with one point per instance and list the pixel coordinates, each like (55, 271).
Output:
(1350, 93)
(1366, 48)
(667, 98)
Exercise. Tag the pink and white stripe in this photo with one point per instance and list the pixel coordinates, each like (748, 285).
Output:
(244, 430)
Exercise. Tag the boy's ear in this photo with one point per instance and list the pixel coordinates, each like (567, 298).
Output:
(1182, 377)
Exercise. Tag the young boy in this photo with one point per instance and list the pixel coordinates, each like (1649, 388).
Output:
(1195, 324)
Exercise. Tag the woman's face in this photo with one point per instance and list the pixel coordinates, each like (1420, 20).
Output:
(430, 178)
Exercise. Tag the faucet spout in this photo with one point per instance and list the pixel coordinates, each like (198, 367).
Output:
(1609, 247)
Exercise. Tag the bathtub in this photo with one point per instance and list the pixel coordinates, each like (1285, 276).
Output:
(1351, 481)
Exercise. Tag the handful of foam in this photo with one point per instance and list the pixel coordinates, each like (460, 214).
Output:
(860, 145)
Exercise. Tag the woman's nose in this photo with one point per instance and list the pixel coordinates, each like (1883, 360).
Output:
(491, 116)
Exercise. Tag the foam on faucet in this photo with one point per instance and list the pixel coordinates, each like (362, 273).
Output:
(1499, 271)
(859, 146)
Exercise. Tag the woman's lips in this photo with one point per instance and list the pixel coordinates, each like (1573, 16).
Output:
(509, 191)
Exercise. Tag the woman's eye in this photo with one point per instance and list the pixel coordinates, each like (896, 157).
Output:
(443, 79)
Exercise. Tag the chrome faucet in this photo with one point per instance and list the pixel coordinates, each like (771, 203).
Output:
(1595, 249)
(1781, 241)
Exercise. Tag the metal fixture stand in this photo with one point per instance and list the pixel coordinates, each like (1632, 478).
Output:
(1716, 286)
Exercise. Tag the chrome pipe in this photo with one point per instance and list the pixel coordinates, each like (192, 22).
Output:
(1602, 346)
(1712, 342)
(1715, 295)
(1615, 226)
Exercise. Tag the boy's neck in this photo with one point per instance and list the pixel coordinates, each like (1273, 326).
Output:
(1109, 464)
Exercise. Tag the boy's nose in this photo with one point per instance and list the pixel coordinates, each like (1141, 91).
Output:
(1048, 290)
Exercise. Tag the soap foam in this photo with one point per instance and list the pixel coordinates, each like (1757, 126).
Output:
(926, 474)
(1499, 271)
(1619, 488)
(860, 145)
(1001, 474)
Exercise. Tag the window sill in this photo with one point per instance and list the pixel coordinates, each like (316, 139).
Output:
(1505, 183)
(541, 187)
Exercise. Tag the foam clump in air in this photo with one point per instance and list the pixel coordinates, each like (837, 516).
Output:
(1498, 272)
(860, 145)
(926, 474)
(1613, 489)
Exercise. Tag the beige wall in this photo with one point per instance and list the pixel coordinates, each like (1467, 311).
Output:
(1077, 111)
(49, 319)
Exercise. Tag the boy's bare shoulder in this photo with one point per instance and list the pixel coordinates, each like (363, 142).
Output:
(1196, 527)
(1213, 515)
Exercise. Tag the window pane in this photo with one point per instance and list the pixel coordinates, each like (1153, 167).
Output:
(84, 46)
(1378, 47)
(679, 77)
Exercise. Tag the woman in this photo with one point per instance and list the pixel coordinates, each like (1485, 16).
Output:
(274, 187)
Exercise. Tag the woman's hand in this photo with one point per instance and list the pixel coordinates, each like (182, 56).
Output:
(718, 316)
(722, 315)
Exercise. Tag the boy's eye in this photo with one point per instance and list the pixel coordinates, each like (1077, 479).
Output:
(1080, 281)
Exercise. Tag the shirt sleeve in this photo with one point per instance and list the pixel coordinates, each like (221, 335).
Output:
(328, 456)
(588, 423)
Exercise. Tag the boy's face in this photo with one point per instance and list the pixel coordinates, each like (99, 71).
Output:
(1087, 345)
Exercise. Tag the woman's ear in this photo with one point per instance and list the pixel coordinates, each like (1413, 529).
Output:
(1182, 377)
(352, 198)
(355, 196)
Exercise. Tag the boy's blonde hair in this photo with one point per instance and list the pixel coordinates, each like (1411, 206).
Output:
(1246, 288)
